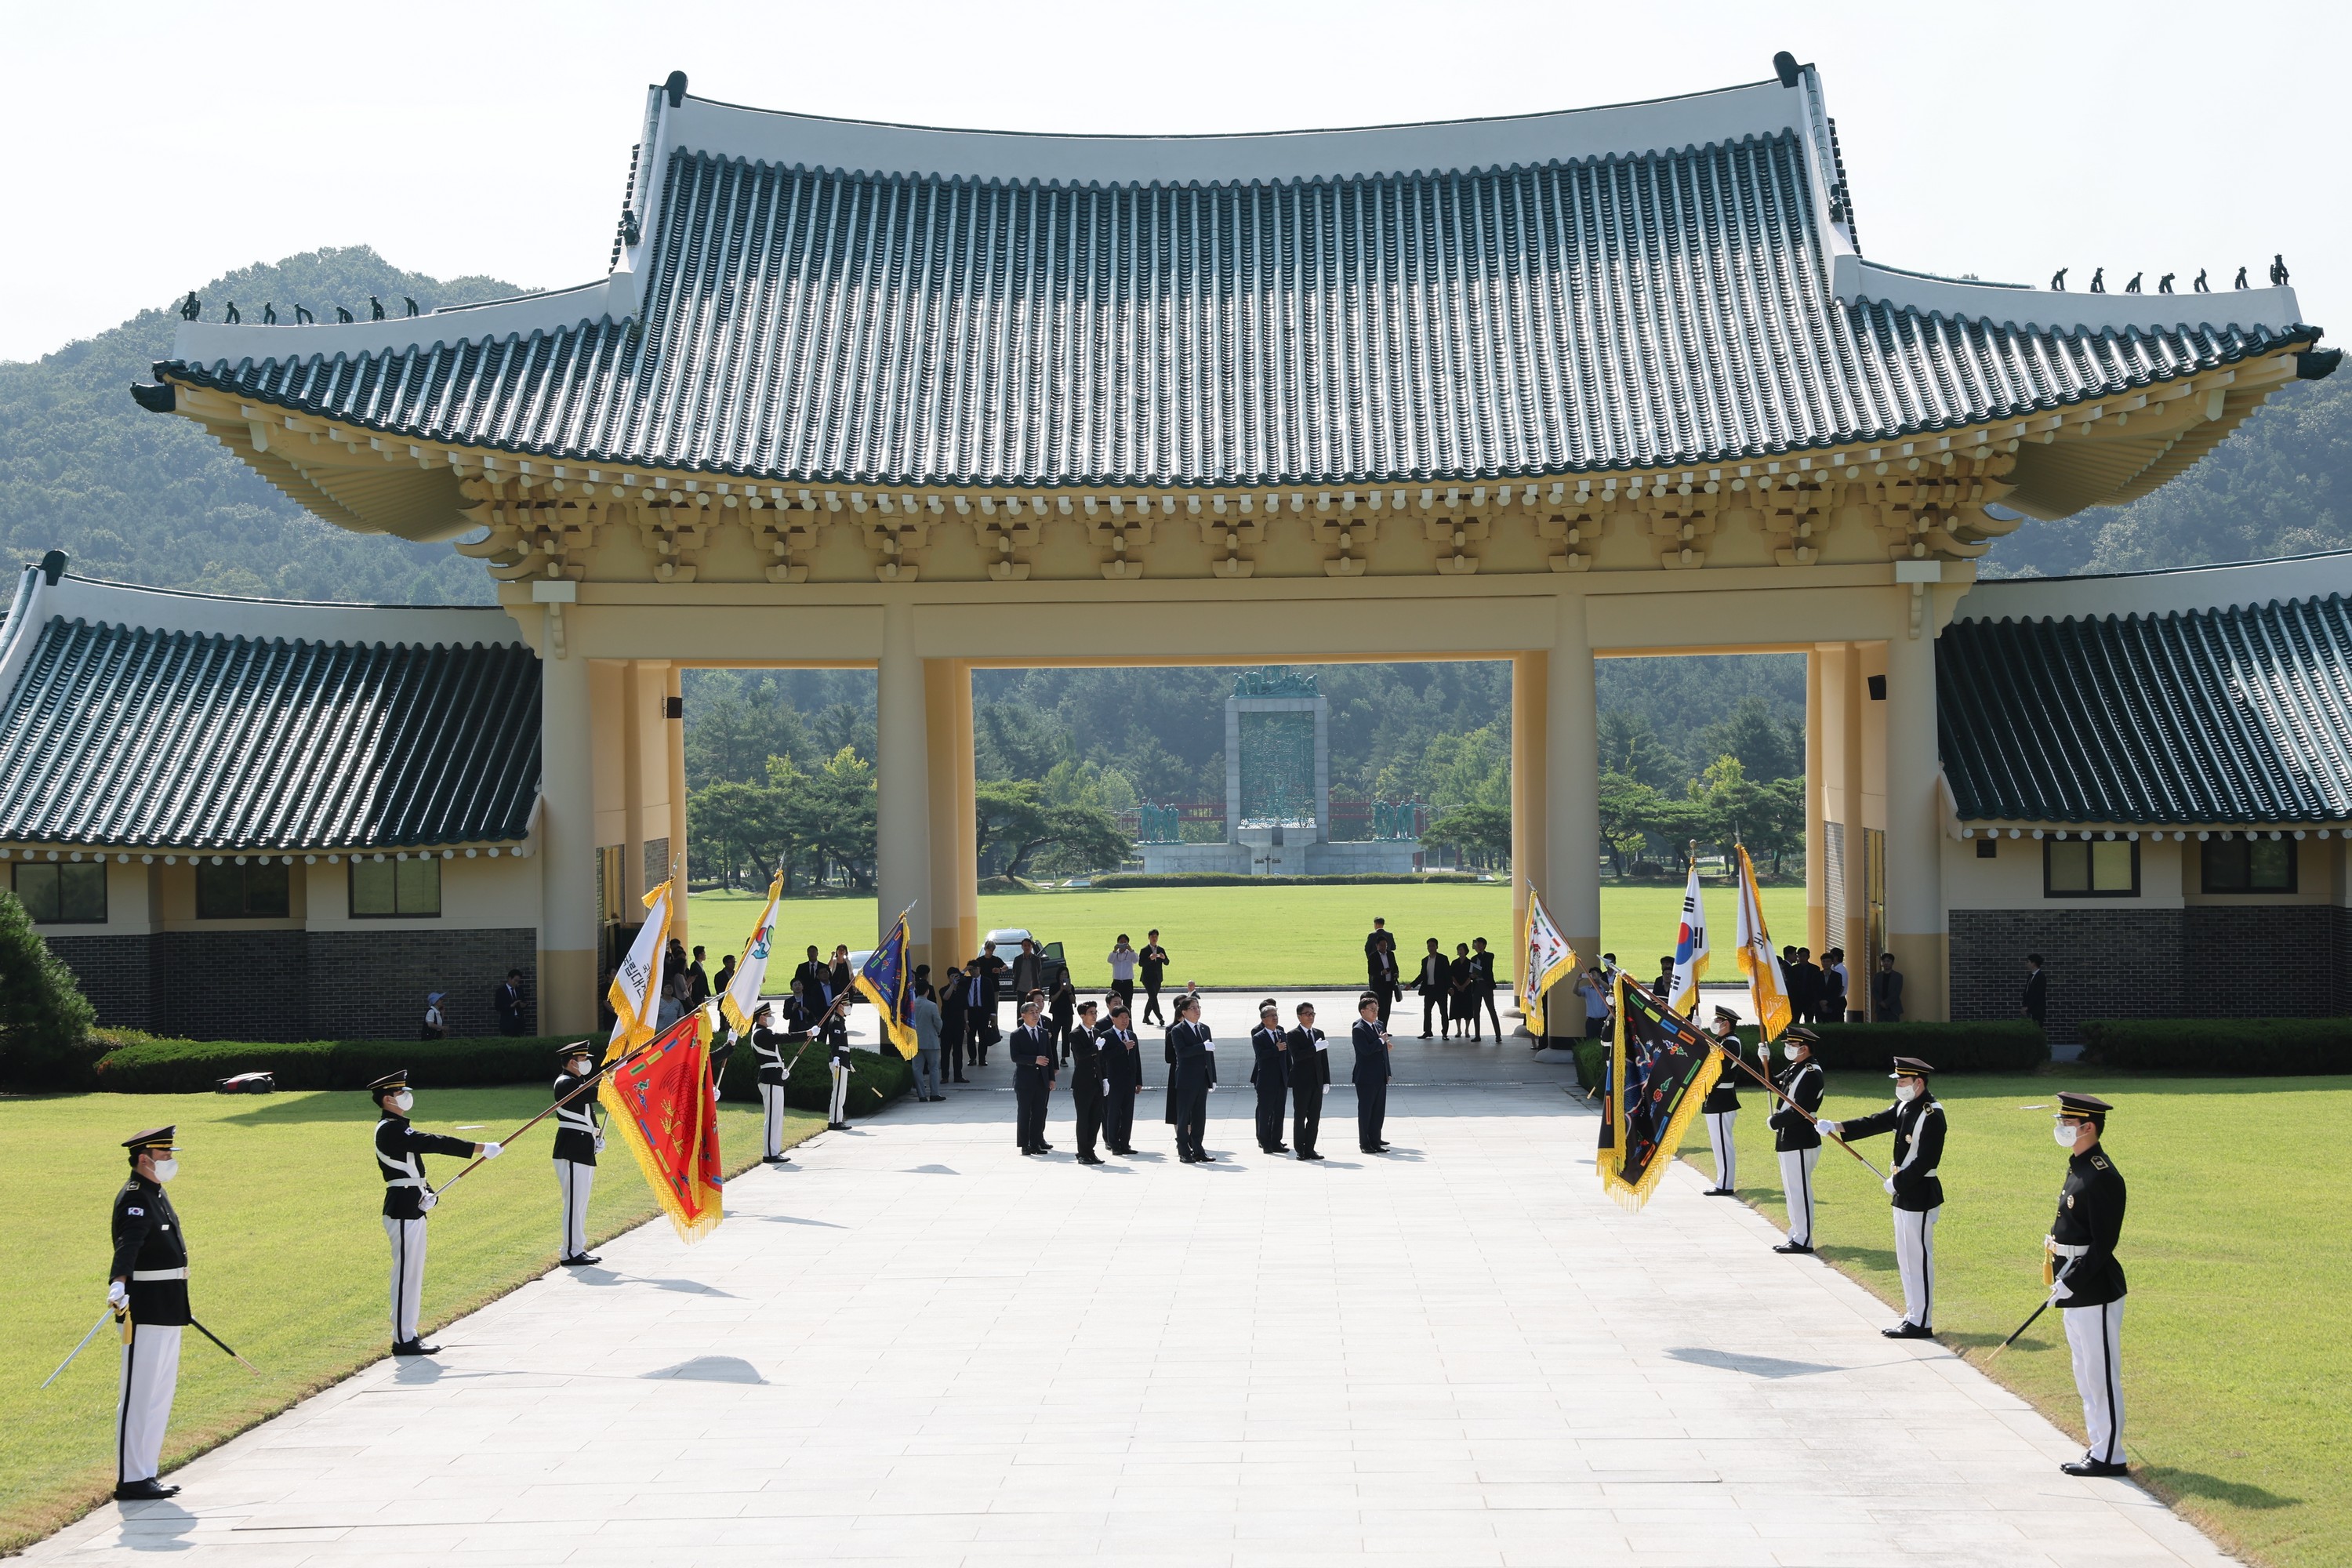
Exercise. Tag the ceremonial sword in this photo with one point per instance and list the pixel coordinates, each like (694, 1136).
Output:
(224, 1345)
(102, 1316)
(1774, 1090)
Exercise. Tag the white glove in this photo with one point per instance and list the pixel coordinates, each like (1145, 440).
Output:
(492, 1151)
(1889, 1185)
(599, 1142)
(116, 1293)
(1828, 1129)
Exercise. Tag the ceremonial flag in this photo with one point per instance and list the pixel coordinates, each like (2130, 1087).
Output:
(1660, 1070)
(742, 998)
(635, 991)
(1690, 947)
(666, 1109)
(1757, 959)
(889, 984)
(1546, 959)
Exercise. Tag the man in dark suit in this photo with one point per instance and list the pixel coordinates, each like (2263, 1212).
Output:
(1805, 988)
(1152, 964)
(809, 977)
(1033, 1053)
(1886, 992)
(1270, 1075)
(1310, 1072)
(2036, 1002)
(985, 973)
(1380, 965)
(509, 1001)
(1371, 1077)
(697, 974)
(1193, 1056)
(1482, 984)
(1436, 987)
(1081, 1048)
(1122, 1069)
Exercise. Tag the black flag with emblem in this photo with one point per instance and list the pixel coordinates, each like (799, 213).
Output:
(1660, 1068)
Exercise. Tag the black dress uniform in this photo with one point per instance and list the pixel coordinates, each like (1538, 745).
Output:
(2089, 1288)
(1371, 1077)
(1796, 1141)
(1270, 1073)
(579, 1134)
(1721, 1108)
(1031, 1084)
(1919, 1128)
(1082, 1049)
(151, 1261)
(837, 1064)
(1192, 1055)
(1310, 1074)
(1122, 1059)
(399, 1156)
(767, 1045)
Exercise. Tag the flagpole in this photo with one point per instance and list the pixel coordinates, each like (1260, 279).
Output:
(589, 1084)
(1774, 1090)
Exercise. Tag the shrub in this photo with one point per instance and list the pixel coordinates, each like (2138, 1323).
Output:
(147, 1066)
(875, 1079)
(2013, 1045)
(44, 1020)
(1242, 879)
(2260, 1048)
(1592, 1061)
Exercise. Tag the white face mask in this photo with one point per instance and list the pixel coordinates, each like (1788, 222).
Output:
(2065, 1131)
(1904, 1093)
(402, 1101)
(165, 1169)
(578, 1065)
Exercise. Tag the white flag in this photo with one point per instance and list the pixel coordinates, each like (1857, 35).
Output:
(1546, 959)
(1690, 949)
(635, 991)
(742, 994)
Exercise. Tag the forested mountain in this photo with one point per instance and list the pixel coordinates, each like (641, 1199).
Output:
(147, 498)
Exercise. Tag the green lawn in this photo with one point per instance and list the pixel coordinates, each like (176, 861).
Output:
(281, 1199)
(1262, 936)
(2238, 1252)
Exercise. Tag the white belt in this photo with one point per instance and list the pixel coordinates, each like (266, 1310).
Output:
(405, 1182)
(2065, 1250)
(149, 1276)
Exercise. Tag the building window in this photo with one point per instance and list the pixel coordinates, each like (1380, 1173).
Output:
(382, 890)
(2248, 865)
(1987, 848)
(2090, 869)
(66, 893)
(256, 891)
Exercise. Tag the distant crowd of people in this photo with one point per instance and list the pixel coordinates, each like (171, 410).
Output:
(1457, 992)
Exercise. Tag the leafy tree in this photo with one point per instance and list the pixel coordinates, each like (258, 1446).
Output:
(1628, 809)
(1480, 832)
(44, 1020)
(734, 723)
(1630, 748)
(1017, 821)
(840, 823)
(1767, 746)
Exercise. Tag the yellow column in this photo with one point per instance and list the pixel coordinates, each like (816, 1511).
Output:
(1817, 890)
(1915, 862)
(1852, 691)
(1531, 750)
(902, 867)
(565, 844)
(1572, 783)
(965, 842)
(942, 678)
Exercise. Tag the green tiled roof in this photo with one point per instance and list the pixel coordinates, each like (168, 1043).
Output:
(2204, 718)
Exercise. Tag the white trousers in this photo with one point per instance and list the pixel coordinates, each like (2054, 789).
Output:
(1914, 1255)
(1797, 1182)
(1727, 1156)
(771, 1107)
(840, 1112)
(575, 1182)
(151, 1371)
(408, 1238)
(2096, 1335)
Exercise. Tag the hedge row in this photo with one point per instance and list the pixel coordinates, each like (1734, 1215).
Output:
(874, 1080)
(1242, 879)
(193, 1066)
(2002, 1046)
(2257, 1048)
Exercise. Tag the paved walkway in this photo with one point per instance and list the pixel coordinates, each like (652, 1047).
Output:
(915, 1346)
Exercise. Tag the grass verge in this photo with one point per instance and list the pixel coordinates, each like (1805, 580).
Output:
(281, 1198)
(2235, 1245)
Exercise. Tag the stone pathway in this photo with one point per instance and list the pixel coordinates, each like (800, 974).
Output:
(916, 1347)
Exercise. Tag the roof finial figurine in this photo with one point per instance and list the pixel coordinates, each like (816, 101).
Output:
(376, 309)
(2058, 280)
(2099, 282)
(268, 313)
(2133, 286)
(2278, 271)
(191, 307)
(410, 303)
(2202, 286)
(630, 233)
(2241, 277)
(2164, 284)
(342, 315)
(233, 318)
(302, 317)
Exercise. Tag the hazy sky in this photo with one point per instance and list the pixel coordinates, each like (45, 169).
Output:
(156, 146)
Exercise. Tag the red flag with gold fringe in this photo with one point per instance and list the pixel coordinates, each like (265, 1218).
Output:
(667, 1108)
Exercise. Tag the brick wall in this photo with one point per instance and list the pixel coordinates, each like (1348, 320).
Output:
(115, 973)
(371, 985)
(2266, 961)
(231, 985)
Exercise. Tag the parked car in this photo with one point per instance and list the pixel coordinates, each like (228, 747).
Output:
(1006, 943)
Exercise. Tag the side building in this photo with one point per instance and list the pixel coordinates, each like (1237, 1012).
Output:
(240, 818)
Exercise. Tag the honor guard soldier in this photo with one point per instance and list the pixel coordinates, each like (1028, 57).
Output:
(1916, 1120)
(1191, 1074)
(1371, 1077)
(148, 1284)
(767, 1045)
(836, 1117)
(1082, 1049)
(1721, 1108)
(1269, 1071)
(1122, 1073)
(579, 1136)
(400, 1150)
(2086, 1281)
(1794, 1137)
(1310, 1074)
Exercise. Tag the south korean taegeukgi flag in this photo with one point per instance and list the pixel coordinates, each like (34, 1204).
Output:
(742, 998)
(635, 991)
(1757, 959)
(1690, 948)
(1546, 959)
(665, 1108)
